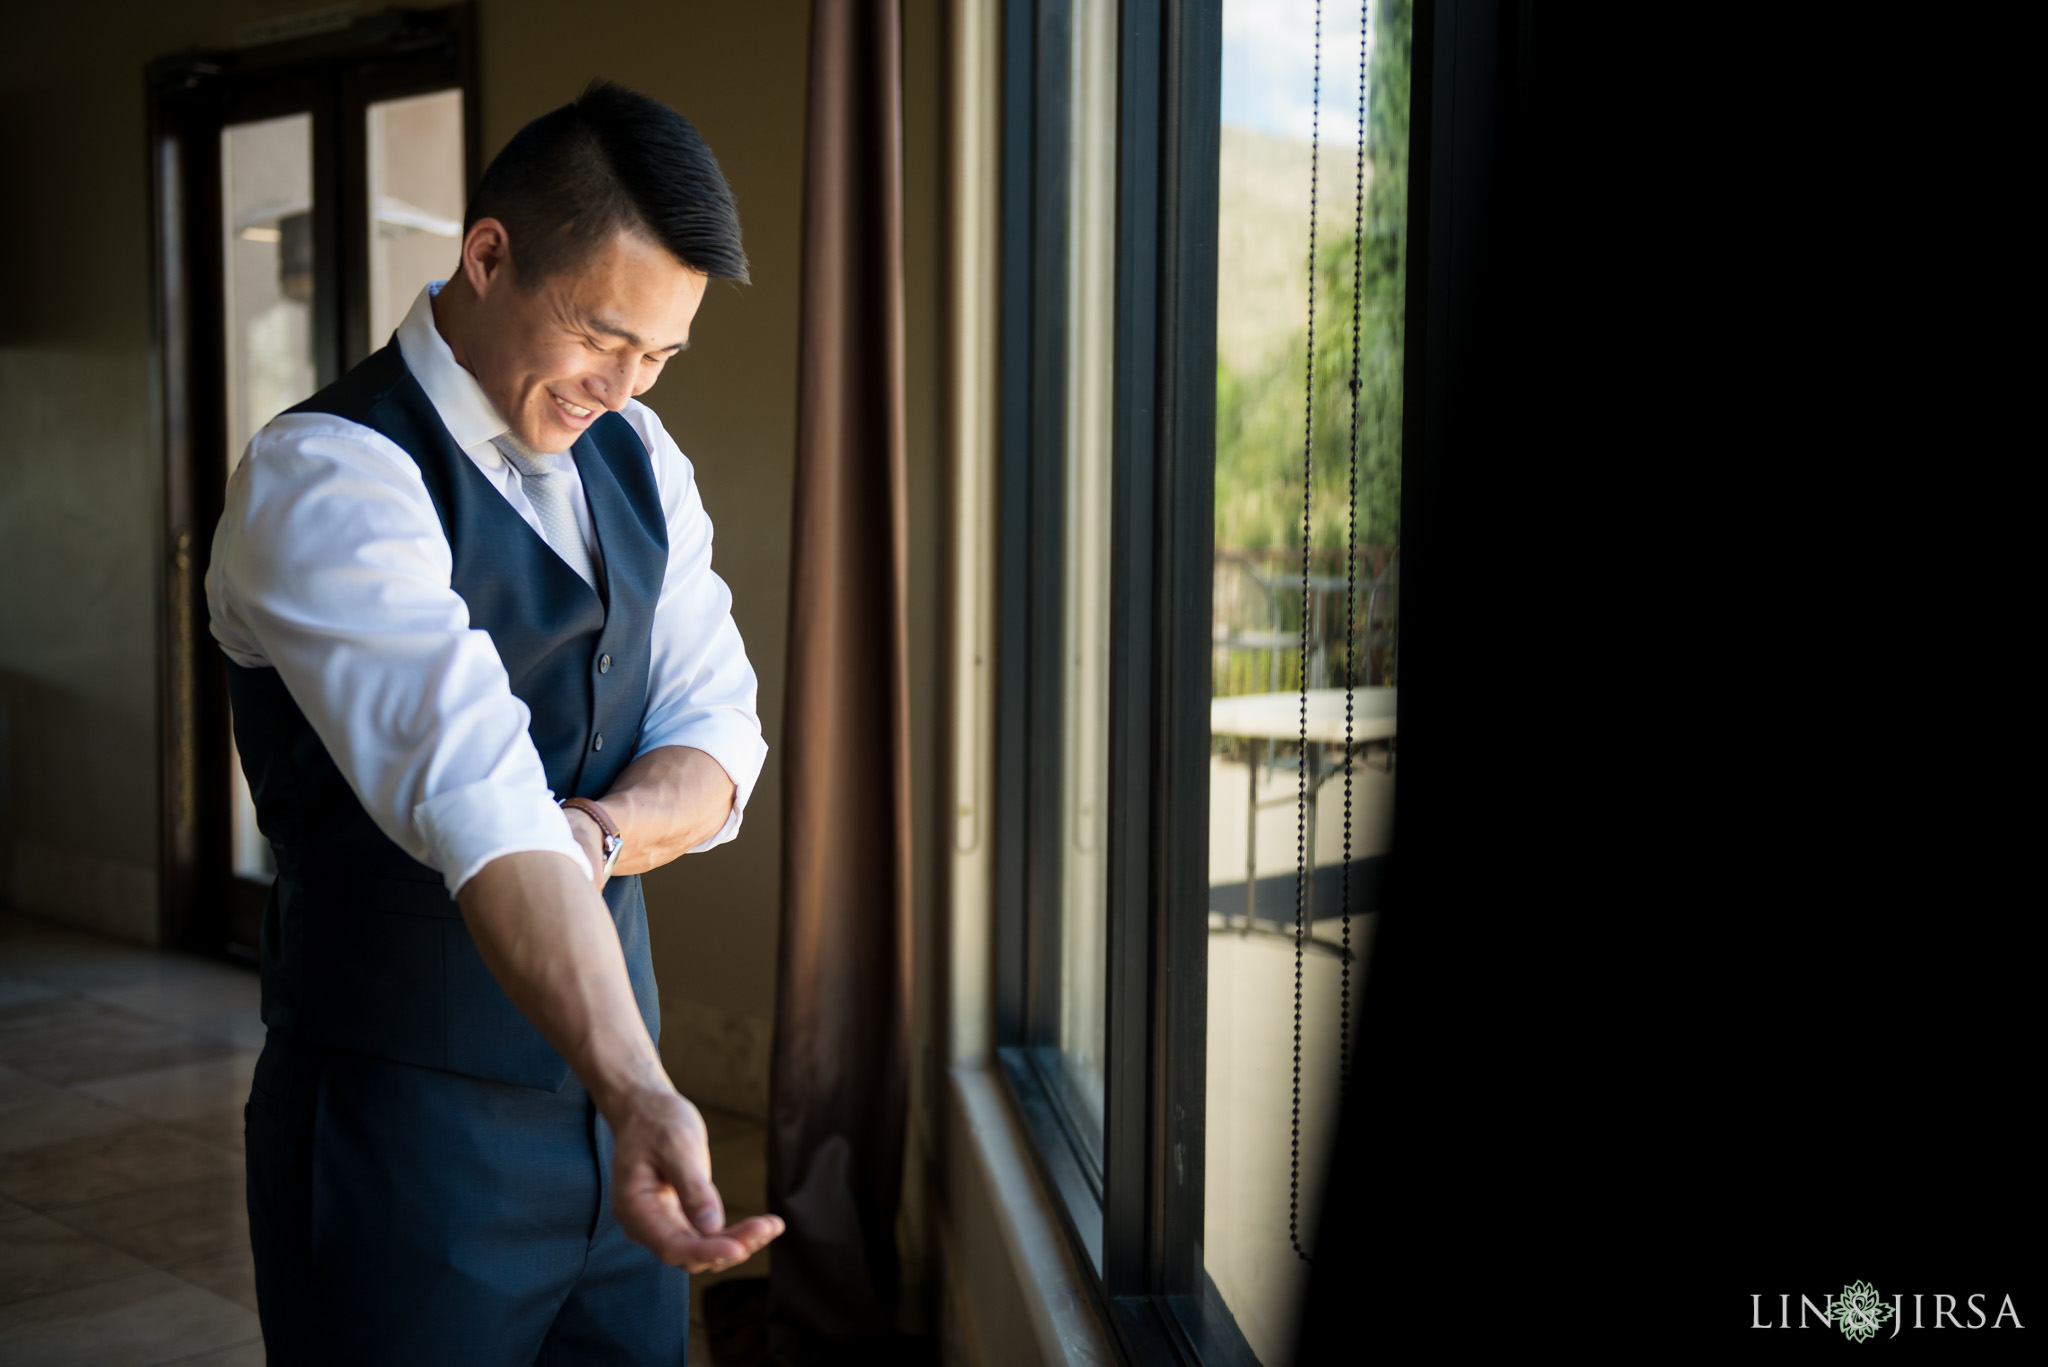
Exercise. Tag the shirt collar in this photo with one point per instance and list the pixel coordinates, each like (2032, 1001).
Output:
(467, 412)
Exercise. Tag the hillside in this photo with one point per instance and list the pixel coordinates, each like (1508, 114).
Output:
(1262, 238)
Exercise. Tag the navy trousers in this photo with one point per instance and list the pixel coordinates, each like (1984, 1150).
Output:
(404, 1215)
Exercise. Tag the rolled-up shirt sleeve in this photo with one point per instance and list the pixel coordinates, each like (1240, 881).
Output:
(701, 689)
(331, 567)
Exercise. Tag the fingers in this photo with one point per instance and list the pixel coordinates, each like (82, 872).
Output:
(663, 1195)
(654, 1218)
(739, 1243)
(690, 1170)
(736, 1245)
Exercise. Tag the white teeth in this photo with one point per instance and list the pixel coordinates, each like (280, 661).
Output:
(571, 408)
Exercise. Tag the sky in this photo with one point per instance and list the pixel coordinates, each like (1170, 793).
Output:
(1269, 60)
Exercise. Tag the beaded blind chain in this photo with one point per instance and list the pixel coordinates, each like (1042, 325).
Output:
(1303, 856)
(1351, 557)
(1308, 457)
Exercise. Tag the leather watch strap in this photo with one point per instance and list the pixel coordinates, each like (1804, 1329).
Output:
(596, 813)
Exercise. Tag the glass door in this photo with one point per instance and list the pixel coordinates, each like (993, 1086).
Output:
(301, 200)
(267, 271)
(417, 194)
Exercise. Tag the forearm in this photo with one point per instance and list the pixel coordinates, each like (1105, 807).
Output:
(666, 803)
(549, 940)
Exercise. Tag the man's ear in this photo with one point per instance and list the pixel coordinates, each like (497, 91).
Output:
(486, 255)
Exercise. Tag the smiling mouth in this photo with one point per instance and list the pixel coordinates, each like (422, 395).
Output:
(575, 411)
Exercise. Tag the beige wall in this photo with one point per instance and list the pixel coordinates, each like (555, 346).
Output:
(80, 542)
(81, 466)
(737, 72)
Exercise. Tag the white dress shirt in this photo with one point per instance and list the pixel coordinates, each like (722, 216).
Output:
(331, 566)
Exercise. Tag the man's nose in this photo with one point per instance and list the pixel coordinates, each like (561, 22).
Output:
(614, 388)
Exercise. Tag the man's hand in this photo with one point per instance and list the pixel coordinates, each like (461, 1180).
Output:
(551, 944)
(662, 1192)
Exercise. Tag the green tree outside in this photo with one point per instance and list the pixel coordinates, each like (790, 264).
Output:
(1259, 416)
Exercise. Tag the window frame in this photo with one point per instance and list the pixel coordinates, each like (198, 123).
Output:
(1134, 1207)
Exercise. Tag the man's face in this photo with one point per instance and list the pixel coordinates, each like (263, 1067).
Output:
(557, 357)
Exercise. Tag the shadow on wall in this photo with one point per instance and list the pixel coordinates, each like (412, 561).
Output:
(77, 810)
(39, 270)
(80, 523)
(717, 1058)
(79, 532)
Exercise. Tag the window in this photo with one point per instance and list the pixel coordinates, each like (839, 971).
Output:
(267, 271)
(1057, 540)
(1155, 628)
(417, 194)
(1287, 780)
(311, 187)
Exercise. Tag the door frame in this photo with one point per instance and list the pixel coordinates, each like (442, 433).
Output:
(190, 98)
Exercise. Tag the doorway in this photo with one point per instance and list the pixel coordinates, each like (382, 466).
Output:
(302, 192)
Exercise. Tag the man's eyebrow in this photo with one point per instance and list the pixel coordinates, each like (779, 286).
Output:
(611, 329)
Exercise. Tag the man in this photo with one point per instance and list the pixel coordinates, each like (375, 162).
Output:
(470, 579)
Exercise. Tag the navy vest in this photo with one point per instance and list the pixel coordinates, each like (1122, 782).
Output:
(363, 948)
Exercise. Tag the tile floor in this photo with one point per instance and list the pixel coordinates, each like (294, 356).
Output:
(123, 1234)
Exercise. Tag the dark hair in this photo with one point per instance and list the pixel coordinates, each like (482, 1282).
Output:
(610, 159)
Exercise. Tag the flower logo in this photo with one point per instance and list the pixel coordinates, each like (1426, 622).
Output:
(1860, 1311)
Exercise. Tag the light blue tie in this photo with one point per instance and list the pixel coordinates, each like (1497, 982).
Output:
(547, 489)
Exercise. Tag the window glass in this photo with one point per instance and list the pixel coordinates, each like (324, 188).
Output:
(416, 201)
(1278, 625)
(267, 192)
(267, 216)
(1084, 710)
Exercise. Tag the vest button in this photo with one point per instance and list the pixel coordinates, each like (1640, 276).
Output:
(598, 744)
(604, 664)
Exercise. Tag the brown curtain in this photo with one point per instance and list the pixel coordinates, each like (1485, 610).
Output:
(839, 1087)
